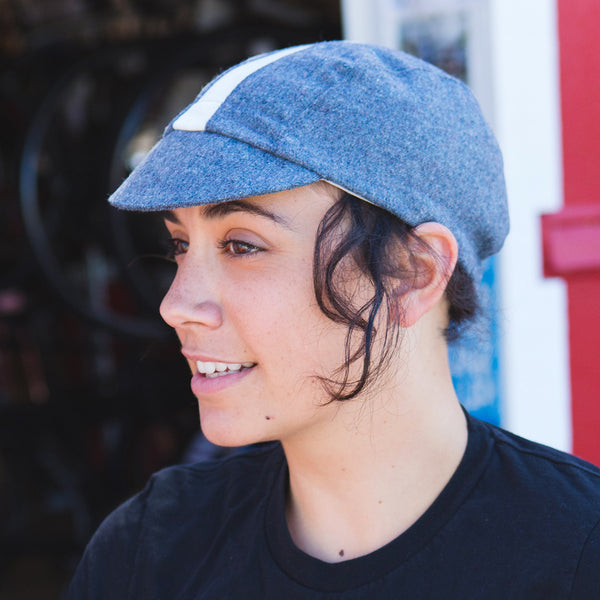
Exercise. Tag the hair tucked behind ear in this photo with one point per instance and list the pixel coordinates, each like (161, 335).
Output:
(354, 232)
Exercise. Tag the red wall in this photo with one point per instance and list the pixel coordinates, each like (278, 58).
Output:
(579, 35)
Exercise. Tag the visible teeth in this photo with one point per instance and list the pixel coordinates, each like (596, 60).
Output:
(218, 368)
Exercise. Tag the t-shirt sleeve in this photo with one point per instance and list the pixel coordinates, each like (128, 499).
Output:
(587, 576)
(108, 563)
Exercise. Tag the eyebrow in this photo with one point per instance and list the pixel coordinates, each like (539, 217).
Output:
(221, 210)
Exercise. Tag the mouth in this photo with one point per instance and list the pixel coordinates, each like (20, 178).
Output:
(211, 370)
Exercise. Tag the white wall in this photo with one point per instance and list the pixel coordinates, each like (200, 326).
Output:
(527, 123)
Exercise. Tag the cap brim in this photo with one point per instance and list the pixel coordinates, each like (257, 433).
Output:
(188, 168)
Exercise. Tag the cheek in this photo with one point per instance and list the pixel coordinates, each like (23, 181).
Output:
(284, 323)
(282, 314)
(308, 342)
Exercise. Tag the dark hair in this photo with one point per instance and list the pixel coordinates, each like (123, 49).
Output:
(355, 230)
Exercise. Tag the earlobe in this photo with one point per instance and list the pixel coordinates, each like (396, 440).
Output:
(433, 255)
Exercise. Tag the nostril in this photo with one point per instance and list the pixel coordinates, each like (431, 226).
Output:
(207, 313)
(178, 310)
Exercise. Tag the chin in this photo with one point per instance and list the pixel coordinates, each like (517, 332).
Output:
(222, 430)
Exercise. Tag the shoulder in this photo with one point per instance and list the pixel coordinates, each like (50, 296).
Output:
(539, 508)
(222, 481)
(540, 464)
(547, 499)
(197, 495)
(532, 472)
(181, 507)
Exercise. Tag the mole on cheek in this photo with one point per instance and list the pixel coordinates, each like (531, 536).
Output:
(268, 418)
(341, 552)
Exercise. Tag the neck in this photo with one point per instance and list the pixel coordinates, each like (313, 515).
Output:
(372, 472)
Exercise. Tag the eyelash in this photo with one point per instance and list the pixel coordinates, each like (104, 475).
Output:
(250, 248)
(177, 246)
(174, 247)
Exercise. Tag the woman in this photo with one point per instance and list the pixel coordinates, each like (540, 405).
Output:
(329, 208)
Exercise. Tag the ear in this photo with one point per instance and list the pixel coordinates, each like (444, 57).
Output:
(434, 253)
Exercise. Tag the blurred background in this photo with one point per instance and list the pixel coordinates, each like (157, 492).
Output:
(94, 395)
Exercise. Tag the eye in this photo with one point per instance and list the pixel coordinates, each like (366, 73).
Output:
(175, 247)
(238, 247)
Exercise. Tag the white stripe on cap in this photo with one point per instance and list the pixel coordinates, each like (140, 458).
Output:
(199, 113)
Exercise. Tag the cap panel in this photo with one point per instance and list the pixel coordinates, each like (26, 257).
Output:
(195, 117)
(193, 168)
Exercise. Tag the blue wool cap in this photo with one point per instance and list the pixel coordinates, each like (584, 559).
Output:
(378, 123)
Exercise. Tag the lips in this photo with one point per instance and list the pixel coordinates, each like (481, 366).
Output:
(212, 369)
(213, 377)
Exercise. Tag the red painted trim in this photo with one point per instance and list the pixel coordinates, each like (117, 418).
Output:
(579, 24)
(571, 240)
(584, 299)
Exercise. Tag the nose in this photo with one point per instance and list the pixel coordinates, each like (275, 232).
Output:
(190, 300)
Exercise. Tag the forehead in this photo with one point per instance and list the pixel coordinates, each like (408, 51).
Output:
(282, 208)
(221, 210)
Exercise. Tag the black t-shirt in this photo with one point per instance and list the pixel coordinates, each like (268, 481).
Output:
(517, 520)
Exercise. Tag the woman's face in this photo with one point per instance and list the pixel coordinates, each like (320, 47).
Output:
(243, 305)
